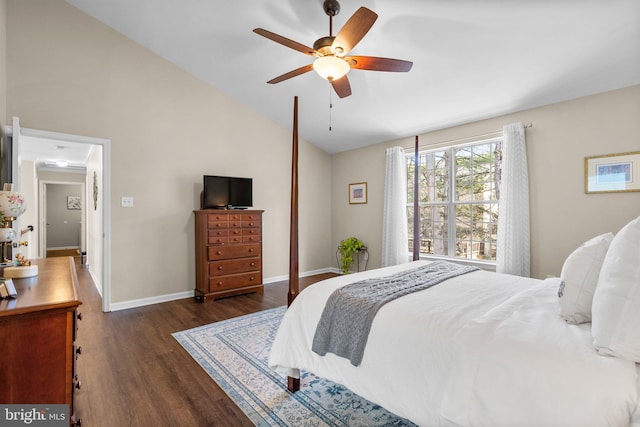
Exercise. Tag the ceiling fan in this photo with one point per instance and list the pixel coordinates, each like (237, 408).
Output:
(331, 61)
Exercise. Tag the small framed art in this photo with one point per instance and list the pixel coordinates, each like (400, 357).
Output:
(612, 173)
(73, 202)
(358, 193)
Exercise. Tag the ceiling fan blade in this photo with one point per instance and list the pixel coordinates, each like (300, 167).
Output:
(291, 74)
(284, 41)
(342, 86)
(354, 30)
(378, 64)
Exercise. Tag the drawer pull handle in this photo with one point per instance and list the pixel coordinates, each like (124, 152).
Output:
(219, 267)
(251, 278)
(219, 253)
(253, 264)
(251, 250)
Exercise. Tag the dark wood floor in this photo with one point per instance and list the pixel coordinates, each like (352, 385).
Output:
(134, 373)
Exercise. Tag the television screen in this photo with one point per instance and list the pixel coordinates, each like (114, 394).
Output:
(241, 192)
(226, 192)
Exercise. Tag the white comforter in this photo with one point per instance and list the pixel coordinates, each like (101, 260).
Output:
(482, 349)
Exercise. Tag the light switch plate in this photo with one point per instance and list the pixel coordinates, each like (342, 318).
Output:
(126, 202)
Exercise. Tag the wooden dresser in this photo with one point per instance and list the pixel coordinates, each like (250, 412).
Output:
(37, 337)
(228, 253)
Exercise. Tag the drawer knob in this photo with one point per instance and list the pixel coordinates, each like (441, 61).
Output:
(219, 267)
(251, 278)
(219, 283)
(219, 253)
(251, 250)
(253, 264)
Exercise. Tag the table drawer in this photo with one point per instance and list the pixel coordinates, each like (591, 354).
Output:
(221, 268)
(234, 281)
(233, 251)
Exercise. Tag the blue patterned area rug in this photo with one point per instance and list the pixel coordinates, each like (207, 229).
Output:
(235, 353)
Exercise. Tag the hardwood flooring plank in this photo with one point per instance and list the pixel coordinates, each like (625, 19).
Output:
(133, 372)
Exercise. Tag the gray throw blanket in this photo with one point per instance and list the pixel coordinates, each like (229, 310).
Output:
(345, 323)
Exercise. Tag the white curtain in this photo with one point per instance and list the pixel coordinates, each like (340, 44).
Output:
(513, 247)
(395, 234)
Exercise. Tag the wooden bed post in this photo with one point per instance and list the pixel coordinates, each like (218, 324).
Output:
(293, 384)
(416, 206)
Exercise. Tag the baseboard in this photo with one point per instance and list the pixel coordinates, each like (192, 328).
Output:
(116, 306)
(303, 274)
(124, 305)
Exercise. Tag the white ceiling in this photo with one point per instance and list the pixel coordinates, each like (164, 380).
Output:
(473, 59)
(45, 152)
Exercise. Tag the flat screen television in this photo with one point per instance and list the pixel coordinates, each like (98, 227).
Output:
(226, 192)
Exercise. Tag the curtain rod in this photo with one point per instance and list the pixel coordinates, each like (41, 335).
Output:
(466, 139)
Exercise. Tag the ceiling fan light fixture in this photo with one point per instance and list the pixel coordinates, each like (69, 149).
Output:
(331, 67)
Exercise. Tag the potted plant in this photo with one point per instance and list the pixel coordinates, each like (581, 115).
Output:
(348, 248)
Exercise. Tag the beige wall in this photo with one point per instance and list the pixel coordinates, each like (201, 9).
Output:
(562, 215)
(68, 73)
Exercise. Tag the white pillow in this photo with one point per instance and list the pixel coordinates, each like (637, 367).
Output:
(616, 302)
(580, 274)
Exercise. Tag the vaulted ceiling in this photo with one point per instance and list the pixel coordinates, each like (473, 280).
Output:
(472, 59)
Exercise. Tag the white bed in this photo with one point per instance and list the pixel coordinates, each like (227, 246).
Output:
(481, 349)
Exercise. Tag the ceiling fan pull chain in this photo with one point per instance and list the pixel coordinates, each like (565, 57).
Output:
(330, 107)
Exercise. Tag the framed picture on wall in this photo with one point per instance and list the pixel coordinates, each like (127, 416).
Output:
(358, 193)
(612, 173)
(73, 202)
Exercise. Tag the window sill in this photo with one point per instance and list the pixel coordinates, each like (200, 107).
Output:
(483, 265)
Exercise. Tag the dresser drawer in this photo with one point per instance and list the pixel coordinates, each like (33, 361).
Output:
(233, 251)
(217, 237)
(216, 225)
(217, 216)
(251, 235)
(242, 265)
(251, 224)
(234, 281)
(251, 217)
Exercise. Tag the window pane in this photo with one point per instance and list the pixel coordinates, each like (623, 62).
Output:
(434, 177)
(477, 172)
(410, 182)
(476, 231)
(434, 233)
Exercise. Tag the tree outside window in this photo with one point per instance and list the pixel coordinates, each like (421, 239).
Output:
(458, 200)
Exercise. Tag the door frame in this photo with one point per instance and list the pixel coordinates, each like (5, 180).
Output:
(104, 194)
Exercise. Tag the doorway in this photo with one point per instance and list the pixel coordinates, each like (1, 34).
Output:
(63, 228)
(34, 167)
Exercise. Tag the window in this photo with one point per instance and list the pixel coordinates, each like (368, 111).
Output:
(458, 200)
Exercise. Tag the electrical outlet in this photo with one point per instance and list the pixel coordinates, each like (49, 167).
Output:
(126, 202)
